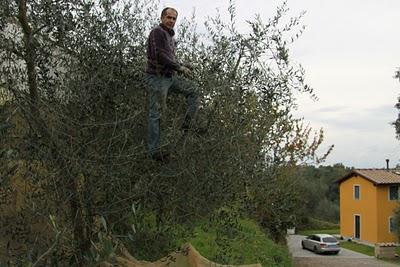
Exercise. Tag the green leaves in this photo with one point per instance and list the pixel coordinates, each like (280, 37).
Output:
(396, 123)
(93, 106)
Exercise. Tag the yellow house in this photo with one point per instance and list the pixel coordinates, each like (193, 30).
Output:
(368, 198)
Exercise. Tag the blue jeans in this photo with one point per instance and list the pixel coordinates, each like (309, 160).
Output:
(158, 88)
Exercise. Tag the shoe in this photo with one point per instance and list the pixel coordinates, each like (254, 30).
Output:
(160, 156)
(185, 126)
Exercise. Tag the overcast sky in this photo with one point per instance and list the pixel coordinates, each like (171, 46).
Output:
(350, 51)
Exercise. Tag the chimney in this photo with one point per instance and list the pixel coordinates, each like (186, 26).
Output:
(387, 164)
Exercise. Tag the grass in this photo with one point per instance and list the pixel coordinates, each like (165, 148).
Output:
(322, 231)
(367, 250)
(250, 246)
(364, 249)
(396, 260)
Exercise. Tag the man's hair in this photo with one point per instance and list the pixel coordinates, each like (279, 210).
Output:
(164, 11)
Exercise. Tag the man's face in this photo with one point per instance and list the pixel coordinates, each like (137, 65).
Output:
(169, 19)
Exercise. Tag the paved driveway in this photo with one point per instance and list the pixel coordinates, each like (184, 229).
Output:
(345, 258)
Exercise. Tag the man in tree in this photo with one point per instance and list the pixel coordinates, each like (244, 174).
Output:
(162, 79)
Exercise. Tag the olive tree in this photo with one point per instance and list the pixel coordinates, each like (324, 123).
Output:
(72, 76)
(397, 122)
(396, 125)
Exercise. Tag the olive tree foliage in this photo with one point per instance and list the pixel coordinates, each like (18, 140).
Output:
(73, 70)
(72, 84)
(249, 83)
(396, 123)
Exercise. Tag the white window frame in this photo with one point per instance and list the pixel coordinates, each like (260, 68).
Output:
(398, 192)
(359, 192)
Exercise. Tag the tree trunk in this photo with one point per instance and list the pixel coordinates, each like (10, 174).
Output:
(41, 130)
(30, 57)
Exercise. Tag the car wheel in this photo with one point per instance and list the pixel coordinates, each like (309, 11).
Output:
(302, 245)
(315, 250)
(336, 252)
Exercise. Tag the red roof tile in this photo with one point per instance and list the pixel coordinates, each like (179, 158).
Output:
(377, 176)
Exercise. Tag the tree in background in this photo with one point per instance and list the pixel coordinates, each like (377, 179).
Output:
(72, 81)
(320, 192)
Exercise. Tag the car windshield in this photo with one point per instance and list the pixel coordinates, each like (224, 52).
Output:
(329, 239)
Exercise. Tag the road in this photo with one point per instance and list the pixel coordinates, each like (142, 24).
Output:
(346, 258)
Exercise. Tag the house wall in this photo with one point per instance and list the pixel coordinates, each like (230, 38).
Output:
(366, 207)
(386, 208)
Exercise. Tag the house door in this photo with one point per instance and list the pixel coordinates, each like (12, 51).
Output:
(357, 226)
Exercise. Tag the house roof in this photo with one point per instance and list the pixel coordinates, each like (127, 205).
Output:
(376, 176)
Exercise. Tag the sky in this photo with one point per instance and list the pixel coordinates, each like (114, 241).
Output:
(350, 52)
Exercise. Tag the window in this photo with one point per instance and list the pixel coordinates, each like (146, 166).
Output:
(329, 240)
(393, 192)
(392, 225)
(357, 226)
(356, 192)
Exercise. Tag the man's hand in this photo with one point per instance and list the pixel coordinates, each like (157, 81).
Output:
(185, 70)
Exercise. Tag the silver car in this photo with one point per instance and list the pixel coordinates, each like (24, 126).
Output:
(321, 243)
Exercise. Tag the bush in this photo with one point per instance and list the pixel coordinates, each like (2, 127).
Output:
(249, 245)
(316, 224)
